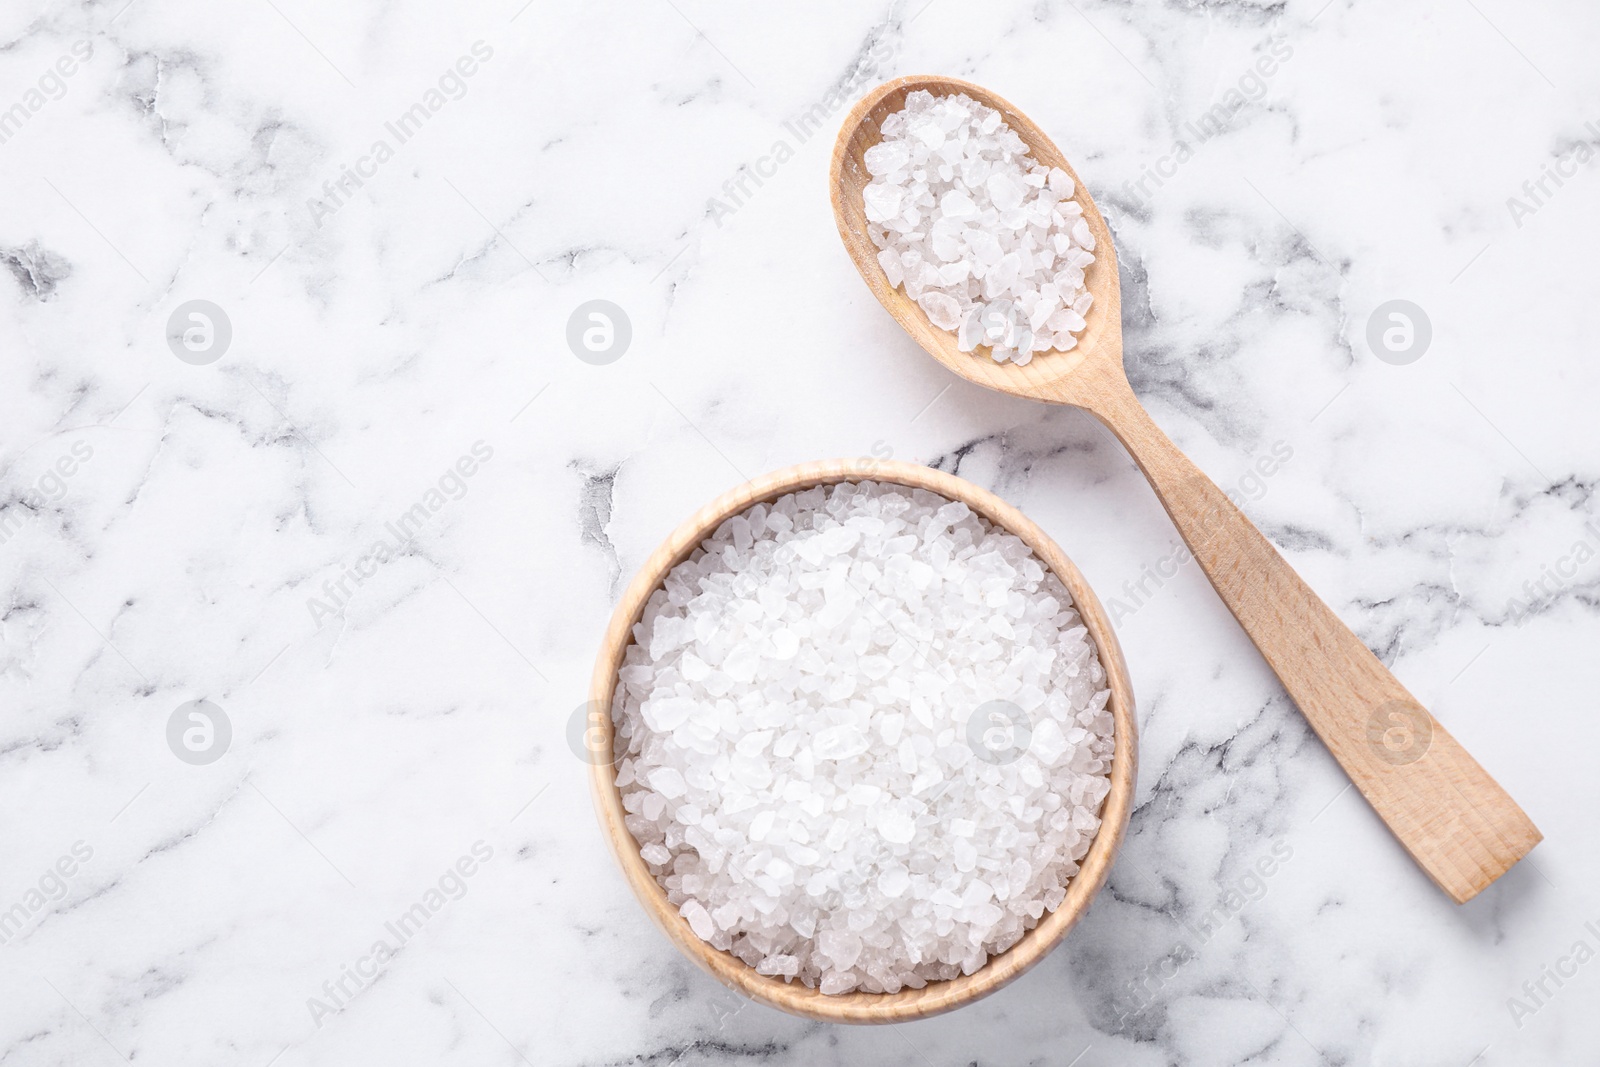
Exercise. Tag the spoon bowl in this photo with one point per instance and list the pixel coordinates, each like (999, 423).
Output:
(1100, 340)
(1455, 820)
(793, 997)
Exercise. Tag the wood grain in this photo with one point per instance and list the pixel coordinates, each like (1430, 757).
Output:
(936, 997)
(1449, 814)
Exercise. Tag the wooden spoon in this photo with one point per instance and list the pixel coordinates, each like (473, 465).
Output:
(1454, 819)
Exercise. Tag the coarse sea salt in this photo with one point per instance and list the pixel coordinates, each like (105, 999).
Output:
(986, 239)
(799, 765)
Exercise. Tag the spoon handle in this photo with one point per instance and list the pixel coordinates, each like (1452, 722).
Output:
(1454, 819)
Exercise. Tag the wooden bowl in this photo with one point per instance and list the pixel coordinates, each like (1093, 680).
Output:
(793, 997)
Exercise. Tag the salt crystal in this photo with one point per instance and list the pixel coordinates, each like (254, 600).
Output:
(943, 310)
(840, 743)
(761, 825)
(699, 919)
(886, 156)
(956, 204)
(668, 781)
(836, 982)
(971, 332)
(841, 947)
(883, 201)
(889, 260)
(897, 827)
(1081, 235)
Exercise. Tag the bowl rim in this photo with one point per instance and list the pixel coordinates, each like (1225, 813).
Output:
(793, 997)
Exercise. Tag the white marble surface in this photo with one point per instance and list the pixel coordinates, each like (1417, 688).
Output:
(375, 344)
